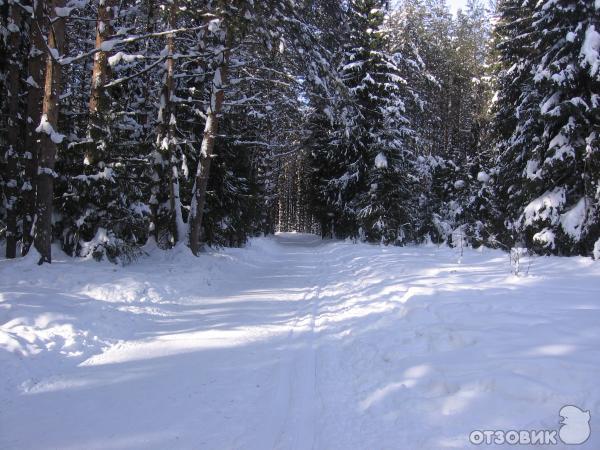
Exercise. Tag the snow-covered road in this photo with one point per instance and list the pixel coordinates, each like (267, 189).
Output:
(295, 343)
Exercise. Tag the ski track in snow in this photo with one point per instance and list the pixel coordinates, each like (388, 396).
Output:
(294, 343)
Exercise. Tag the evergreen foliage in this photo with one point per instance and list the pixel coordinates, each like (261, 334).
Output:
(390, 122)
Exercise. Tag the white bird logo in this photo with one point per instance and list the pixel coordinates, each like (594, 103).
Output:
(575, 425)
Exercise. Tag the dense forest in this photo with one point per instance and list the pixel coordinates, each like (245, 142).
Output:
(206, 122)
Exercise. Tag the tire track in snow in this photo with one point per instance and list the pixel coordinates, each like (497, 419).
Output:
(299, 427)
(287, 414)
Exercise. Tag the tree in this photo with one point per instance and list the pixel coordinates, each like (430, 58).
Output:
(166, 206)
(98, 105)
(49, 137)
(375, 159)
(513, 130)
(222, 32)
(35, 82)
(561, 175)
(548, 162)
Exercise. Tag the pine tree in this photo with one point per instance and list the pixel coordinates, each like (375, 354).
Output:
(49, 136)
(550, 159)
(564, 162)
(35, 82)
(366, 177)
(167, 220)
(513, 129)
(222, 29)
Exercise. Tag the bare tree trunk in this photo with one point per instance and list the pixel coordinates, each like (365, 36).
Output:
(201, 182)
(35, 80)
(176, 222)
(281, 199)
(144, 117)
(208, 142)
(98, 107)
(48, 135)
(13, 84)
(165, 160)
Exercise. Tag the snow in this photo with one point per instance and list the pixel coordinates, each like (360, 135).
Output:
(560, 145)
(294, 342)
(352, 65)
(550, 103)
(483, 177)
(107, 46)
(545, 207)
(63, 11)
(100, 239)
(545, 237)
(12, 27)
(572, 222)
(532, 170)
(31, 82)
(120, 57)
(217, 79)
(214, 25)
(459, 184)
(46, 127)
(590, 50)
(47, 171)
(106, 173)
(381, 161)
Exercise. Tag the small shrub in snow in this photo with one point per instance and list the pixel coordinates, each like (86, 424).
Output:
(517, 259)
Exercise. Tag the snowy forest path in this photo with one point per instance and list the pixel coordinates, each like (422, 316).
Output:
(292, 343)
(299, 369)
(287, 412)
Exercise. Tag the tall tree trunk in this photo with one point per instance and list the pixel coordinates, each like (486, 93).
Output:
(48, 135)
(175, 216)
(165, 160)
(281, 206)
(13, 84)
(35, 69)
(208, 142)
(144, 116)
(98, 107)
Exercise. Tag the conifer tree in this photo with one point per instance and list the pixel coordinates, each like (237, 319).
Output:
(515, 109)
(548, 153)
(562, 169)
